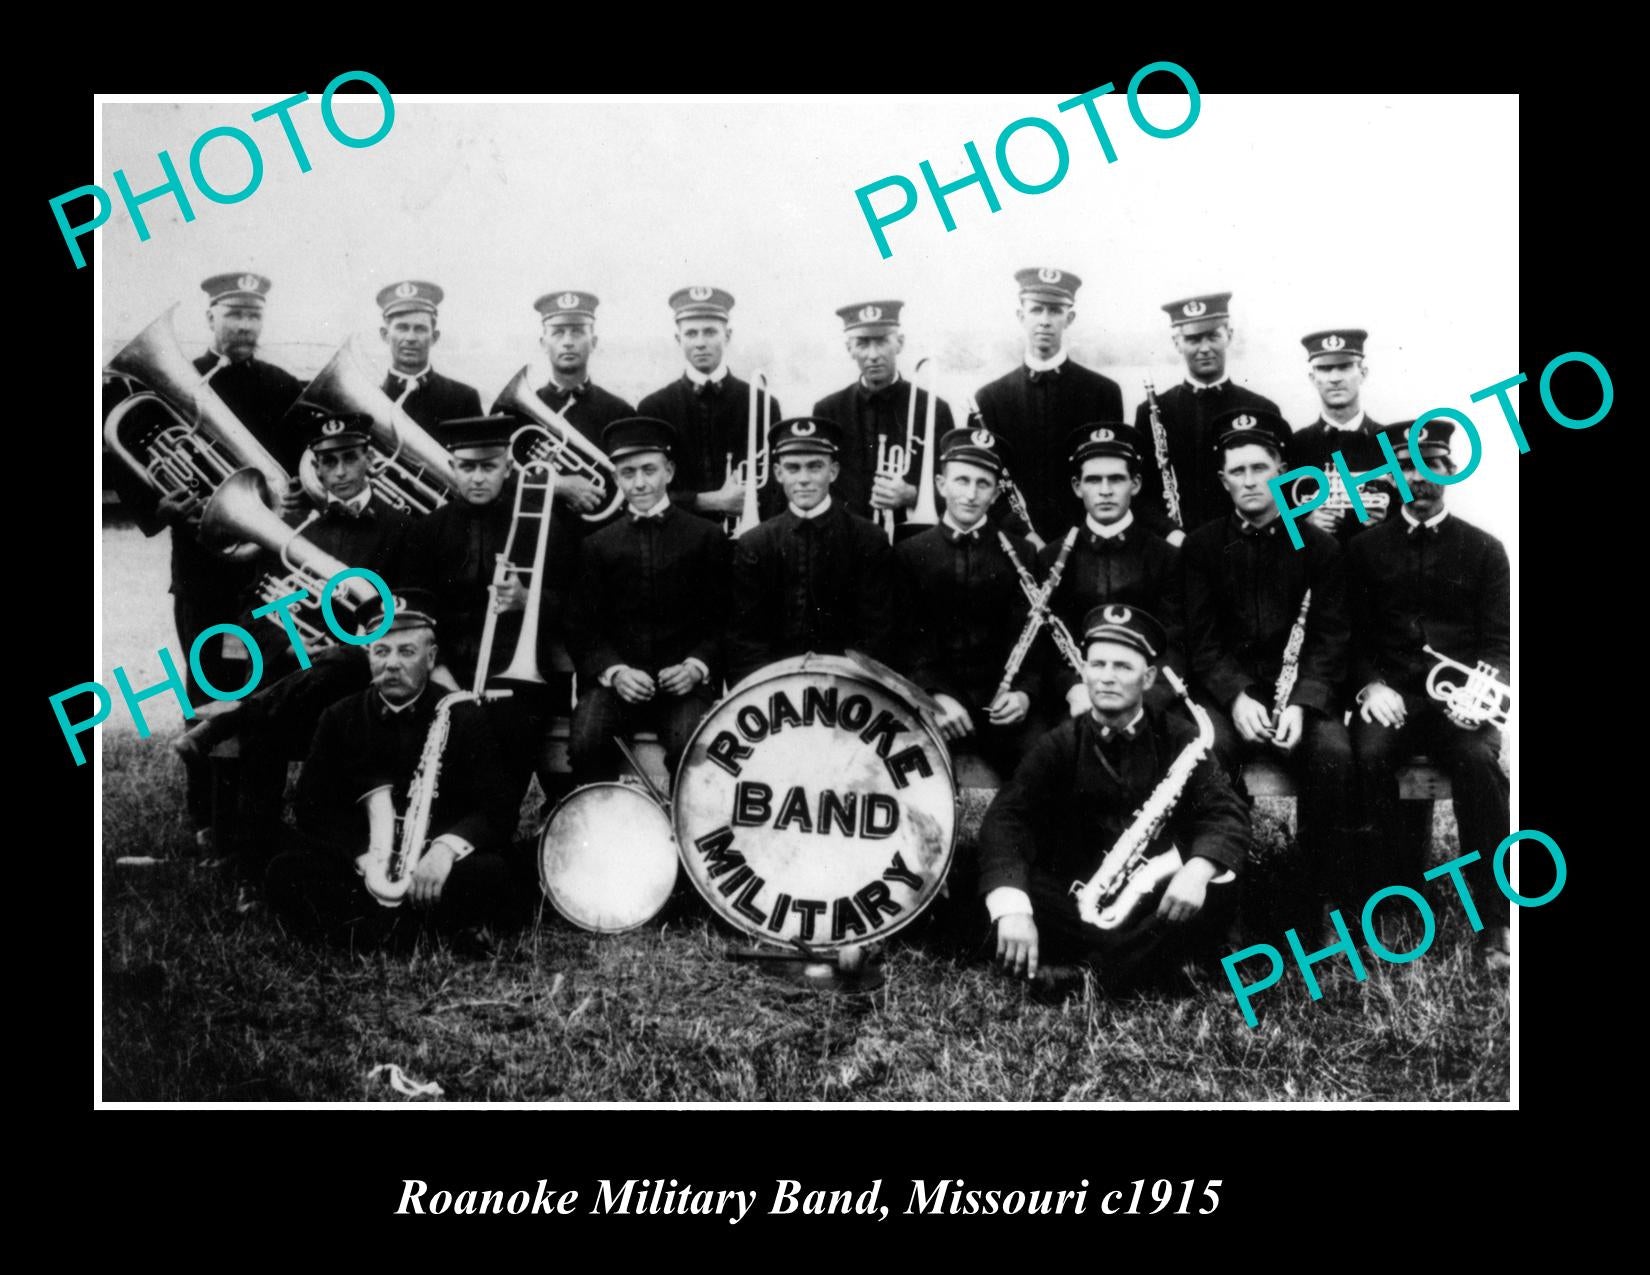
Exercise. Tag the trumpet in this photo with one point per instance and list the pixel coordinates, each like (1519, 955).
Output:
(550, 439)
(237, 514)
(753, 470)
(1375, 499)
(893, 461)
(1477, 698)
(205, 443)
(410, 471)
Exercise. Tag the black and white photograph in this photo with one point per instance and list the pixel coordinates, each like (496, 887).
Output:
(940, 600)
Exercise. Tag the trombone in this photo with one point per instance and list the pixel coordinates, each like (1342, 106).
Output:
(537, 476)
(551, 439)
(892, 462)
(753, 470)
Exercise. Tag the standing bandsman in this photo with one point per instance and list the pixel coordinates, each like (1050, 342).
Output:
(1244, 584)
(967, 608)
(1202, 328)
(1037, 405)
(708, 406)
(648, 611)
(1336, 368)
(410, 331)
(1426, 578)
(1113, 559)
(815, 577)
(258, 393)
(874, 413)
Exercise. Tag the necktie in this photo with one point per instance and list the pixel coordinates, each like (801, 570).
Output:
(707, 389)
(1423, 529)
(403, 387)
(963, 537)
(1047, 374)
(343, 509)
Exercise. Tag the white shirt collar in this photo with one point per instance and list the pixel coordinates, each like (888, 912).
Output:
(701, 378)
(889, 386)
(808, 514)
(357, 502)
(412, 376)
(1106, 732)
(1355, 423)
(1413, 521)
(1200, 385)
(1115, 529)
(1045, 365)
(658, 510)
(957, 527)
(394, 709)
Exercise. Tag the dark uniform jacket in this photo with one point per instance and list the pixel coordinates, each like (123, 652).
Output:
(966, 610)
(820, 584)
(1319, 441)
(712, 423)
(1035, 417)
(1065, 807)
(651, 592)
(438, 398)
(361, 745)
(1448, 588)
(1187, 415)
(1243, 592)
(588, 408)
(862, 415)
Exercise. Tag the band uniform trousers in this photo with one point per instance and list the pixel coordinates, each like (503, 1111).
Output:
(601, 714)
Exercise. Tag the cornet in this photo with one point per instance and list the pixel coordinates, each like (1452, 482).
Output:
(1478, 698)
(1375, 500)
(753, 470)
(551, 439)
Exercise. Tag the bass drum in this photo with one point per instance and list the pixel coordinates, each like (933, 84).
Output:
(816, 805)
(607, 858)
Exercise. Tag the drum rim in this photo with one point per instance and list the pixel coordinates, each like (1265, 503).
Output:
(544, 886)
(808, 662)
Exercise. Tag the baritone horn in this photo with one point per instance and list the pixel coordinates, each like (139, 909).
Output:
(753, 470)
(551, 439)
(205, 443)
(237, 514)
(1474, 699)
(410, 471)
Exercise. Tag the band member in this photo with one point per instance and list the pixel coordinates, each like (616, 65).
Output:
(875, 414)
(1336, 368)
(815, 577)
(967, 609)
(1202, 328)
(649, 608)
(410, 331)
(708, 406)
(1077, 792)
(1037, 405)
(1245, 585)
(1113, 558)
(376, 737)
(1426, 578)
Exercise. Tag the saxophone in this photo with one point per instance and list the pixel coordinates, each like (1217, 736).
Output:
(1291, 661)
(389, 863)
(1160, 445)
(1115, 898)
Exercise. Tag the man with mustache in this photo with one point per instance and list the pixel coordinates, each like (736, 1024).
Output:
(410, 332)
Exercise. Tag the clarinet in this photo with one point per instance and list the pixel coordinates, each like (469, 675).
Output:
(1160, 445)
(1038, 597)
(1291, 661)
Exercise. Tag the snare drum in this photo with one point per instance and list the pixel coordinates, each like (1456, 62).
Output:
(607, 858)
(815, 804)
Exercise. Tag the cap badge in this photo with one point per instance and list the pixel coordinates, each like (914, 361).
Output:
(1245, 421)
(1101, 436)
(401, 605)
(983, 438)
(1118, 615)
(333, 427)
(406, 290)
(870, 314)
(1193, 308)
(1422, 436)
(803, 428)
(699, 294)
(249, 282)
(1333, 342)
(568, 301)
(1049, 276)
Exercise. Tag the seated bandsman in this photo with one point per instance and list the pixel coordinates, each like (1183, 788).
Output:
(815, 577)
(1336, 368)
(709, 407)
(874, 414)
(410, 331)
(1113, 558)
(374, 738)
(1245, 586)
(1202, 328)
(966, 609)
(1076, 794)
(648, 611)
(1426, 578)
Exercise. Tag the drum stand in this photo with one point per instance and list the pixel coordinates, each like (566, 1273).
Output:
(856, 968)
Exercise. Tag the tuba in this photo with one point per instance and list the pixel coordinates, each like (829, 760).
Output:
(1477, 698)
(551, 439)
(753, 470)
(237, 514)
(205, 443)
(410, 470)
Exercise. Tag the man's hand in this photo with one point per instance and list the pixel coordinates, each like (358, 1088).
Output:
(294, 504)
(1009, 707)
(579, 494)
(1176, 538)
(1077, 700)
(1037, 542)
(953, 721)
(1326, 519)
(1017, 945)
(1186, 891)
(1250, 717)
(633, 685)
(508, 595)
(429, 878)
(1382, 705)
(179, 507)
(678, 679)
(1291, 725)
(892, 493)
(729, 498)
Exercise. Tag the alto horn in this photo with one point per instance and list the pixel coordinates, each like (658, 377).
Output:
(205, 443)
(410, 470)
(1475, 699)
(551, 439)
